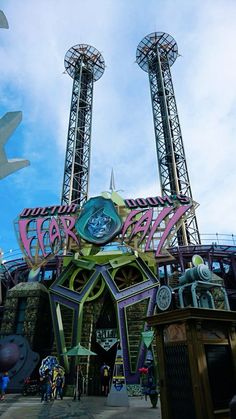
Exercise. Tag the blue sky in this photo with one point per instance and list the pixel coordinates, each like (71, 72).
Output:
(31, 80)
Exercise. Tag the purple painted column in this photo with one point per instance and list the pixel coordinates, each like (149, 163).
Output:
(133, 378)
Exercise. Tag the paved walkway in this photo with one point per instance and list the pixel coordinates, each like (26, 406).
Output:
(19, 407)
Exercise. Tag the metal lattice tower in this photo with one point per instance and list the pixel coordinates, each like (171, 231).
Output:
(85, 65)
(155, 54)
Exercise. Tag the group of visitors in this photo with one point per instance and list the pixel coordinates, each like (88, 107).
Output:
(52, 383)
(54, 388)
(51, 389)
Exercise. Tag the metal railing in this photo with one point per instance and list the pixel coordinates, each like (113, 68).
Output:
(206, 239)
(218, 239)
(10, 255)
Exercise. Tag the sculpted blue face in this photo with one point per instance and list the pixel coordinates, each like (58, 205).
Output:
(98, 222)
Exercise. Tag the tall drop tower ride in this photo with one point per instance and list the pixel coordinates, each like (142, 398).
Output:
(155, 55)
(85, 65)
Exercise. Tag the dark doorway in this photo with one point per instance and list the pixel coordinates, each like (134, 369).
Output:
(104, 343)
(221, 375)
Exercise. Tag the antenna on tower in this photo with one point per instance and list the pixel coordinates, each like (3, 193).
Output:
(112, 181)
(155, 54)
(85, 65)
(3, 21)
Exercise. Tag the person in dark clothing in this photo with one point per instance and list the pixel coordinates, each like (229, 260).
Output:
(78, 383)
(46, 386)
(105, 378)
(149, 384)
(59, 382)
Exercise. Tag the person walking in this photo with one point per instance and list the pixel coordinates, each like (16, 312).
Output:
(59, 382)
(46, 386)
(105, 378)
(4, 384)
(149, 383)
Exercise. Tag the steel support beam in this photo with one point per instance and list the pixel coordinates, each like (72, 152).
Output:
(155, 54)
(85, 65)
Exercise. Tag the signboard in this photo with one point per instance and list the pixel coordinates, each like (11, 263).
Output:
(147, 337)
(106, 338)
(145, 224)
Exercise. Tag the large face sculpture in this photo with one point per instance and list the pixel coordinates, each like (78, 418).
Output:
(98, 222)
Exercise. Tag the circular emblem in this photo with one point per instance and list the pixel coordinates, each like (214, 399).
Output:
(164, 298)
(99, 221)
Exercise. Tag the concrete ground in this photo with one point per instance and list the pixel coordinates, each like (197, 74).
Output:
(17, 406)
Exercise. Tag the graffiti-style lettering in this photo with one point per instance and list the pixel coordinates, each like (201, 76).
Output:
(156, 224)
(175, 218)
(49, 232)
(130, 220)
(41, 233)
(53, 210)
(54, 233)
(26, 241)
(68, 224)
(134, 225)
(142, 224)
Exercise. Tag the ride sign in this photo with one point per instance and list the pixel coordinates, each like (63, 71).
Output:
(45, 232)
